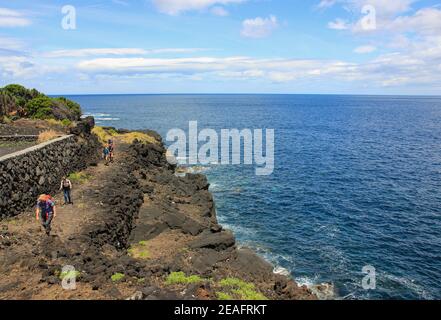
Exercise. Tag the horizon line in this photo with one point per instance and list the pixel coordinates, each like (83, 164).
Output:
(238, 94)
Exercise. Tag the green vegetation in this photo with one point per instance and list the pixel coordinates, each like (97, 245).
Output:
(103, 134)
(40, 108)
(79, 177)
(112, 132)
(29, 103)
(181, 278)
(5, 119)
(227, 289)
(243, 290)
(66, 122)
(139, 251)
(62, 123)
(140, 136)
(224, 296)
(70, 274)
(117, 277)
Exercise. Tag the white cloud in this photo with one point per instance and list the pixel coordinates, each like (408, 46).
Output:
(246, 74)
(382, 7)
(11, 44)
(12, 18)
(174, 7)
(219, 11)
(21, 67)
(338, 24)
(259, 27)
(365, 49)
(418, 66)
(386, 70)
(425, 21)
(115, 52)
(326, 4)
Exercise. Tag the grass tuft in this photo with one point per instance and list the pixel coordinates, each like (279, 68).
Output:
(6, 120)
(140, 136)
(61, 123)
(139, 251)
(243, 290)
(79, 177)
(103, 134)
(48, 135)
(117, 277)
(224, 296)
(181, 278)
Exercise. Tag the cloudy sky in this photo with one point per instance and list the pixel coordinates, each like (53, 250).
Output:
(222, 46)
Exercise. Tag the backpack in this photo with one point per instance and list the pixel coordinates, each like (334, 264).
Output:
(44, 198)
(45, 202)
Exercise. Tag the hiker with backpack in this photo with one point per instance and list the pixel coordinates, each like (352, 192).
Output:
(66, 186)
(106, 154)
(45, 211)
(111, 148)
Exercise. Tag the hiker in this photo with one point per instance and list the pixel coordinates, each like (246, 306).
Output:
(45, 211)
(66, 186)
(106, 154)
(111, 147)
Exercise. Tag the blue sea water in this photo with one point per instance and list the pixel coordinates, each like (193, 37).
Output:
(357, 182)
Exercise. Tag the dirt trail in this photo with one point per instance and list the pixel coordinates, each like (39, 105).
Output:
(21, 237)
(71, 218)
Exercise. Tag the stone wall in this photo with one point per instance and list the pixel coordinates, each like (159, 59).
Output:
(28, 173)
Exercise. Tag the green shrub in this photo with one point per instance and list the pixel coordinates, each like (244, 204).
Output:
(224, 296)
(66, 122)
(40, 108)
(117, 277)
(244, 290)
(21, 93)
(181, 278)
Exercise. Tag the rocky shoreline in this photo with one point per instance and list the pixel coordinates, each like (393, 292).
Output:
(149, 234)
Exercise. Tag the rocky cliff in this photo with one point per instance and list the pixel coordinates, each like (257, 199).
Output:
(137, 231)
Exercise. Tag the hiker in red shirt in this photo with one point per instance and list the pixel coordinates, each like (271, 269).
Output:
(45, 211)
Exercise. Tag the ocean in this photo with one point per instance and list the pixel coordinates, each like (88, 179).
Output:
(357, 182)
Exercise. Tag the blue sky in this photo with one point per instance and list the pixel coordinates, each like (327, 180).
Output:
(224, 46)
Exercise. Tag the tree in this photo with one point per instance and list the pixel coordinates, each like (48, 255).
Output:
(40, 108)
